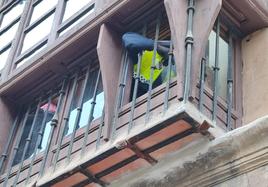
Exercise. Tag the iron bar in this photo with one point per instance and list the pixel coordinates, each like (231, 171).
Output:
(230, 82)
(216, 71)
(189, 42)
(39, 139)
(120, 93)
(123, 80)
(170, 55)
(54, 123)
(27, 143)
(201, 84)
(78, 115)
(203, 79)
(100, 129)
(90, 119)
(153, 67)
(135, 92)
(66, 120)
(136, 84)
(16, 147)
(9, 141)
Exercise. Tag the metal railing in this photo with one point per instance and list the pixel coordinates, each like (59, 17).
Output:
(67, 97)
(83, 87)
(138, 79)
(217, 68)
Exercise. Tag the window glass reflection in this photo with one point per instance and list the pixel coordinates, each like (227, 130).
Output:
(87, 103)
(3, 58)
(223, 64)
(72, 7)
(50, 109)
(76, 22)
(8, 36)
(42, 8)
(12, 14)
(37, 33)
(28, 57)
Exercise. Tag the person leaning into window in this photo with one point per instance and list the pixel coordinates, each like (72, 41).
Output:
(134, 44)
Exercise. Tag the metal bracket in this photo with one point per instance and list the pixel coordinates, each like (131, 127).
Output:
(92, 177)
(203, 129)
(137, 151)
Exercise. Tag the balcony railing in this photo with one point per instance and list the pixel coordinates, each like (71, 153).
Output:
(72, 143)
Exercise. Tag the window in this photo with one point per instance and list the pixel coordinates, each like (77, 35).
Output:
(4, 56)
(37, 31)
(13, 13)
(7, 37)
(89, 100)
(35, 121)
(72, 7)
(40, 9)
(11, 17)
(77, 102)
(223, 64)
(221, 73)
(75, 12)
(39, 25)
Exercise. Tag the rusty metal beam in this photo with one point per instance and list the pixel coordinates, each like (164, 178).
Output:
(133, 147)
(93, 178)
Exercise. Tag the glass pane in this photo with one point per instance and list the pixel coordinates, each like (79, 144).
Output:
(72, 7)
(35, 137)
(27, 58)
(8, 36)
(42, 8)
(12, 14)
(26, 132)
(76, 22)
(87, 103)
(37, 33)
(51, 111)
(223, 64)
(3, 58)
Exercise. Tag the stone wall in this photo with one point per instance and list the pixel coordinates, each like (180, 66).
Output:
(238, 158)
(255, 75)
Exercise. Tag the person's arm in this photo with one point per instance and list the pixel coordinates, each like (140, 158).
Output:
(137, 43)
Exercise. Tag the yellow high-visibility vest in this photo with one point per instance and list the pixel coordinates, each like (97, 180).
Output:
(146, 62)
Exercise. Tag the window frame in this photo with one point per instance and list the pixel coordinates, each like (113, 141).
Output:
(28, 27)
(75, 18)
(18, 20)
(56, 28)
(35, 103)
(227, 28)
(67, 103)
(93, 66)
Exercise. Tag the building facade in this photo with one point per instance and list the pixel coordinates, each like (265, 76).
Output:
(76, 108)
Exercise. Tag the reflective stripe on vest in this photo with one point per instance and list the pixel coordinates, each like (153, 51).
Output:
(146, 63)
